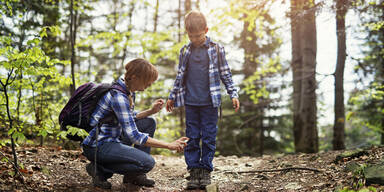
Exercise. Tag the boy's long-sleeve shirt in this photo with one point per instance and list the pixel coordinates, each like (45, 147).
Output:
(115, 102)
(218, 70)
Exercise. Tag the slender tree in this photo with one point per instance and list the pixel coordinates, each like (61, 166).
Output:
(72, 30)
(156, 16)
(303, 29)
(339, 123)
(4, 88)
(259, 42)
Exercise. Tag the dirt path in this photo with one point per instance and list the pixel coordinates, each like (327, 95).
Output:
(52, 169)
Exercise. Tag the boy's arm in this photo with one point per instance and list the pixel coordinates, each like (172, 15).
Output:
(177, 83)
(226, 75)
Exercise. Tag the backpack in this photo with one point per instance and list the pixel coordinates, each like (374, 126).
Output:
(78, 110)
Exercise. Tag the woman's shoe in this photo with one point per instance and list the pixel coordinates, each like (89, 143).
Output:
(140, 180)
(97, 180)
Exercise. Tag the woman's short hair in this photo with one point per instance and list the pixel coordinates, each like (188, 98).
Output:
(142, 69)
(195, 22)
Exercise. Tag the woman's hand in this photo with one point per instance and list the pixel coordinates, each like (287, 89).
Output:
(157, 106)
(179, 144)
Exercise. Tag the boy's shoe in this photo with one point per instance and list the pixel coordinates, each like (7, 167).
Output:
(205, 178)
(140, 180)
(97, 180)
(194, 177)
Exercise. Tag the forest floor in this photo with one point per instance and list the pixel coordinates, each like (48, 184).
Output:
(55, 169)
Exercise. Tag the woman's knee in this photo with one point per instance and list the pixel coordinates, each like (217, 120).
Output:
(151, 123)
(149, 163)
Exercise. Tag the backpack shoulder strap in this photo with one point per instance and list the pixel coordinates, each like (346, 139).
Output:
(116, 86)
(182, 50)
(218, 66)
(218, 55)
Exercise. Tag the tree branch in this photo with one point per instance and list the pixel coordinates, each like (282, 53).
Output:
(276, 170)
(15, 167)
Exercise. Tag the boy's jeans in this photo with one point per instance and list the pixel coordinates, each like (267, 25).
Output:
(113, 157)
(201, 124)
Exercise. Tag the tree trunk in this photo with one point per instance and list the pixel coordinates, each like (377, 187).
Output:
(339, 122)
(73, 56)
(381, 76)
(382, 133)
(261, 142)
(187, 6)
(303, 29)
(198, 4)
(382, 72)
(251, 52)
(156, 16)
(5, 85)
(130, 27)
(179, 22)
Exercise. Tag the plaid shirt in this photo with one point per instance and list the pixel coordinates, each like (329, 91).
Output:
(216, 72)
(116, 102)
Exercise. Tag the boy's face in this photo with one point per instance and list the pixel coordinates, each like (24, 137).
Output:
(197, 38)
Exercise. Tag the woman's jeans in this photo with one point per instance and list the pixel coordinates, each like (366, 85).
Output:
(201, 124)
(122, 158)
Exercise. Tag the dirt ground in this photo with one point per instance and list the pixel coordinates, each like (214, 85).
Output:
(54, 169)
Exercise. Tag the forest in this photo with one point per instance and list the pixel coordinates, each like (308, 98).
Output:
(310, 73)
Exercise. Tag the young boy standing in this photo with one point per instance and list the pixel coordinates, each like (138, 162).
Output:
(202, 64)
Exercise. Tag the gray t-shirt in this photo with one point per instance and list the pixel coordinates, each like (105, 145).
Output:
(197, 77)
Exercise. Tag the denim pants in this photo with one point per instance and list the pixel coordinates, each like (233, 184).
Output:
(201, 125)
(122, 158)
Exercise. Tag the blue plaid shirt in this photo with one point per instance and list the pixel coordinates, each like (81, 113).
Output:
(116, 102)
(216, 72)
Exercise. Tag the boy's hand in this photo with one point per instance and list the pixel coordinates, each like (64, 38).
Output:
(236, 104)
(157, 105)
(169, 106)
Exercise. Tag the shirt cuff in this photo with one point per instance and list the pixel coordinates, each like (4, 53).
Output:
(144, 139)
(234, 95)
(134, 113)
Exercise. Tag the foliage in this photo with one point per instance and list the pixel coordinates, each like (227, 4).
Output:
(367, 107)
(260, 124)
(358, 182)
(364, 189)
(36, 76)
(366, 113)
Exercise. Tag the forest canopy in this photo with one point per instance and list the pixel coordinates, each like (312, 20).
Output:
(50, 47)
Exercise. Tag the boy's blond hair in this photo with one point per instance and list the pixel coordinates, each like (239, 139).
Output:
(195, 22)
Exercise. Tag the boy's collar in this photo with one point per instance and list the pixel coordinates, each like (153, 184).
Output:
(205, 44)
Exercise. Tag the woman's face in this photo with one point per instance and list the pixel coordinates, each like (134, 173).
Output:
(138, 85)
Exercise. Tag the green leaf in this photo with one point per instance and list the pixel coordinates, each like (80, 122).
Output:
(11, 173)
(4, 160)
(11, 131)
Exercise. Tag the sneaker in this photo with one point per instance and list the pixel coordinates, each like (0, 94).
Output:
(205, 178)
(90, 167)
(194, 175)
(140, 180)
(97, 180)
